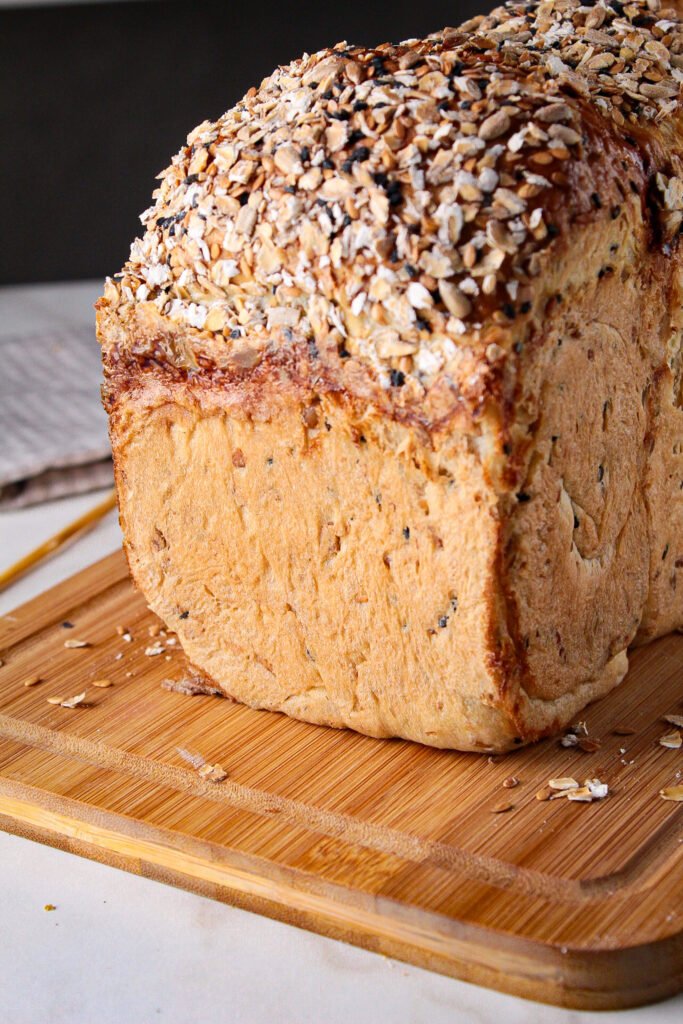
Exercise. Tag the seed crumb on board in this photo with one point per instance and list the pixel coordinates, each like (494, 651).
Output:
(49, 907)
(213, 772)
(568, 787)
(154, 650)
(209, 772)
(77, 643)
(102, 683)
(68, 702)
(33, 681)
(672, 793)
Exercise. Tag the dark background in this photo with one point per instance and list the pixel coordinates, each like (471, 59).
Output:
(96, 98)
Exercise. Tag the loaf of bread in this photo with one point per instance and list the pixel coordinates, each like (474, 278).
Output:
(395, 378)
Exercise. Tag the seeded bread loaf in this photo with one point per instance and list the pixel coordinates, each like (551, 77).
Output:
(395, 382)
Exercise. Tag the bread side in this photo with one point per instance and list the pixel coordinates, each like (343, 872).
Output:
(439, 286)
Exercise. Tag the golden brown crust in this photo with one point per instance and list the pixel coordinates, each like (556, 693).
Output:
(399, 205)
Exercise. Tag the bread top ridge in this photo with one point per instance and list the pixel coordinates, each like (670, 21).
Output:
(391, 222)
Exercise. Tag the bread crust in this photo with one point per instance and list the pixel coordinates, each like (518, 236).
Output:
(552, 431)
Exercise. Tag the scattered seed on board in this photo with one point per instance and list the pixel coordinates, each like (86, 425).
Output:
(154, 650)
(589, 746)
(102, 683)
(565, 782)
(672, 740)
(676, 720)
(68, 702)
(33, 681)
(672, 793)
(212, 772)
(77, 643)
(510, 782)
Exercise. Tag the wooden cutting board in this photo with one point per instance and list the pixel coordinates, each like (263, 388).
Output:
(386, 844)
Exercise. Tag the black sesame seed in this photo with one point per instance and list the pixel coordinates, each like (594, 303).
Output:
(235, 333)
(190, 179)
(328, 94)
(525, 307)
(522, 496)
(576, 522)
(509, 310)
(305, 154)
(614, 212)
(184, 615)
(553, 230)
(406, 532)
(243, 198)
(518, 347)
(601, 473)
(596, 200)
(443, 621)
(360, 105)
(398, 378)
(67, 625)
(291, 189)
(327, 164)
(354, 137)
(394, 193)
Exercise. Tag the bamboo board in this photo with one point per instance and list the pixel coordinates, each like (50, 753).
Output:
(386, 844)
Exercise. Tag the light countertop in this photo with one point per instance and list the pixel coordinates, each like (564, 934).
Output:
(120, 949)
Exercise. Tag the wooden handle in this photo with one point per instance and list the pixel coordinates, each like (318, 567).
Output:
(83, 522)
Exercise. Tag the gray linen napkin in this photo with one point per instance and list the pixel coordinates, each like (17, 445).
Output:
(53, 430)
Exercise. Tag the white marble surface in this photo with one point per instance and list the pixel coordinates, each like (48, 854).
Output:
(124, 950)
